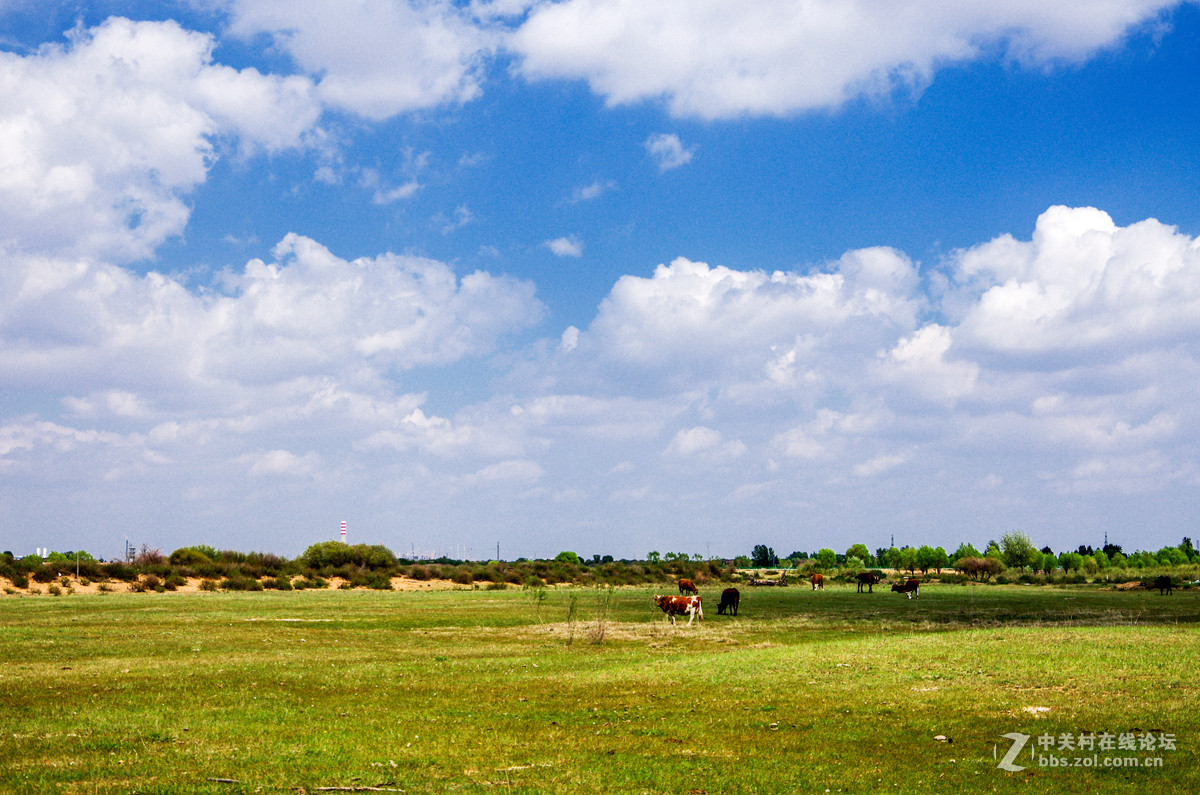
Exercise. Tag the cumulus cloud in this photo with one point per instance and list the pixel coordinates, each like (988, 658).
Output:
(101, 139)
(668, 151)
(375, 59)
(699, 441)
(719, 59)
(1039, 370)
(592, 191)
(1081, 283)
(308, 314)
(569, 246)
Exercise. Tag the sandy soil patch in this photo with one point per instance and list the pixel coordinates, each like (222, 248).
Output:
(93, 587)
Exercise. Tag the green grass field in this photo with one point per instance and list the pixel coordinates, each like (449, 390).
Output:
(583, 690)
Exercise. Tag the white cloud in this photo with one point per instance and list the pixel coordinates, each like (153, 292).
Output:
(309, 314)
(569, 246)
(101, 139)
(704, 441)
(593, 191)
(720, 59)
(377, 58)
(1081, 283)
(668, 151)
(283, 463)
(693, 394)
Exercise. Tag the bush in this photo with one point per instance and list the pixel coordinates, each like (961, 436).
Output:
(46, 573)
(119, 571)
(20, 580)
(191, 556)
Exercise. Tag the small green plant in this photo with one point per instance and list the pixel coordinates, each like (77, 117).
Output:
(54, 590)
(208, 585)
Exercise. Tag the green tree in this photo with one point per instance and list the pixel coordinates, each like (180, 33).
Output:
(1049, 563)
(861, 552)
(826, 558)
(1070, 561)
(940, 559)
(965, 551)
(763, 556)
(908, 559)
(926, 558)
(567, 556)
(1017, 550)
(1171, 556)
(893, 558)
(653, 557)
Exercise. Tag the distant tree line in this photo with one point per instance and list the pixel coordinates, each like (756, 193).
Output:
(1013, 552)
(1014, 555)
(355, 566)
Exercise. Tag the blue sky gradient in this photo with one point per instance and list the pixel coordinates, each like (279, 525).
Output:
(602, 276)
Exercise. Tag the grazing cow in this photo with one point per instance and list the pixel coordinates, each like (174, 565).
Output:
(818, 582)
(687, 586)
(729, 601)
(911, 586)
(1163, 584)
(869, 579)
(680, 606)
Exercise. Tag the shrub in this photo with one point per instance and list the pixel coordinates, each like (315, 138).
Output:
(463, 577)
(119, 571)
(191, 556)
(419, 573)
(46, 573)
(152, 582)
(208, 585)
(54, 590)
(174, 581)
(149, 557)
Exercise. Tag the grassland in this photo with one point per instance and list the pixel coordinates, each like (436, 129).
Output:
(587, 689)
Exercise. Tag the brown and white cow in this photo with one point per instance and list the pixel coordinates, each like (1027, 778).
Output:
(730, 598)
(818, 582)
(911, 586)
(869, 579)
(680, 606)
(687, 586)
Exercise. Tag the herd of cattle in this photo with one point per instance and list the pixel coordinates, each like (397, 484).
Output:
(689, 602)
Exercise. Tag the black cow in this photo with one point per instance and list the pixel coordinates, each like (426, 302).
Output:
(1163, 584)
(869, 579)
(730, 598)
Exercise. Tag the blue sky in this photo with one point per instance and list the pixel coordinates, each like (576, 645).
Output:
(603, 276)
